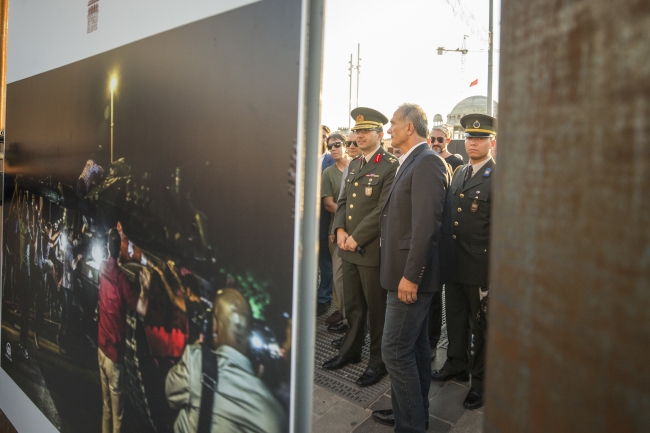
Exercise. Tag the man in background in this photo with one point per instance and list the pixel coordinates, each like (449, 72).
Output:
(241, 401)
(115, 295)
(324, 293)
(356, 225)
(330, 187)
(440, 139)
(471, 213)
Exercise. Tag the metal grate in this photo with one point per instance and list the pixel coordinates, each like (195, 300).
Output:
(341, 382)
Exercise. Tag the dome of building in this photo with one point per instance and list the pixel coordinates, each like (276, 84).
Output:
(473, 104)
(437, 120)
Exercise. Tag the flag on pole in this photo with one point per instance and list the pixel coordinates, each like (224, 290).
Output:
(474, 83)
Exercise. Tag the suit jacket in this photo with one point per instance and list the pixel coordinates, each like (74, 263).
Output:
(411, 222)
(358, 209)
(471, 230)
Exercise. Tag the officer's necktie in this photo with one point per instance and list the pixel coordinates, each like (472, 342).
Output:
(363, 162)
(468, 175)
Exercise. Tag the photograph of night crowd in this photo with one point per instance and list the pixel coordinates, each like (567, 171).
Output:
(148, 231)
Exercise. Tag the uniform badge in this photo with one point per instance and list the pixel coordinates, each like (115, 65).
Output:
(487, 173)
(368, 191)
(473, 208)
(476, 124)
(378, 158)
(360, 118)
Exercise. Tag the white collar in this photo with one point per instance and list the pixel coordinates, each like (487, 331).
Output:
(402, 158)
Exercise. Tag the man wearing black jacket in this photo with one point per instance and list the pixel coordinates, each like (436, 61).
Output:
(412, 220)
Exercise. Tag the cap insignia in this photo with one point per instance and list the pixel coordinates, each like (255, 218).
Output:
(476, 124)
(360, 118)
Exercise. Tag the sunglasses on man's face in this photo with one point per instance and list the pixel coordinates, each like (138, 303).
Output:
(438, 139)
(336, 144)
(351, 143)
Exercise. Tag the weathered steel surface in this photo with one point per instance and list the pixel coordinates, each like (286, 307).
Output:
(569, 337)
(4, 9)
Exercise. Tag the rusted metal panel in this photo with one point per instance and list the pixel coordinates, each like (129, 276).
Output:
(569, 337)
(4, 13)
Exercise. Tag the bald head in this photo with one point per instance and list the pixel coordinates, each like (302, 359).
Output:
(232, 320)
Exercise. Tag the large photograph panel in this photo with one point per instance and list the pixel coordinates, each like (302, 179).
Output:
(179, 152)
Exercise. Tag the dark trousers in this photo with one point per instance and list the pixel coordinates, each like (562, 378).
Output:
(462, 303)
(435, 319)
(326, 277)
(25, 303)
(365, 300)
(407, 353)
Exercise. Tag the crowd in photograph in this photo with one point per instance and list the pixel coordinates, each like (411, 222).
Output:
(401, 222)
(165, 335)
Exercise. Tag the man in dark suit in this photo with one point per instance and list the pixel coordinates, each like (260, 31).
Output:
(356, 225)
(471, 211)
(411, 222)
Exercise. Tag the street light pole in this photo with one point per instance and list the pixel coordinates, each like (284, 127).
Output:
(350, 98)
(490, 51)
(113, 85)
(358, 70)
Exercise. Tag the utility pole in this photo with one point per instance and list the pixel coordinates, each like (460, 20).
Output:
(490, 50)
(350, 98)
(358, 70)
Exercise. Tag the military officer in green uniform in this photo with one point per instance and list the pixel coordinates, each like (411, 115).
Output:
(472, 200)
(356, 226)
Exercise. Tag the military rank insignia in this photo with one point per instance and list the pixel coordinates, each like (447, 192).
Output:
(488, 172)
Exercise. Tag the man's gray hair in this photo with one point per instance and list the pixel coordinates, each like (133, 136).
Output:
(414, 114)
(446, 131)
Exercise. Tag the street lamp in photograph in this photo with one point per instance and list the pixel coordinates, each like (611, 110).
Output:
(113, 86)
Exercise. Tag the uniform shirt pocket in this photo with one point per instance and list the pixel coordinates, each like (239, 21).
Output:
(366, 180)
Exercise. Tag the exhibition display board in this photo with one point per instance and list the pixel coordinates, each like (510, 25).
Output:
(153, 200)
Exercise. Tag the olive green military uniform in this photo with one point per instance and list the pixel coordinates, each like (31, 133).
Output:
(471, 210)
(365, 191)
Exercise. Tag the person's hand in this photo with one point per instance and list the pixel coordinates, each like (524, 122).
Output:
(145, 281)
(79, 257)
(351, 244)
(331, 237)
(407, 291)
(341, 237)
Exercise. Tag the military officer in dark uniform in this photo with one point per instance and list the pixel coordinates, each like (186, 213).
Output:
(472, 201)
(356, 226)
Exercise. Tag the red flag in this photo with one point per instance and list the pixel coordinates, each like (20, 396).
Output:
(474, 83)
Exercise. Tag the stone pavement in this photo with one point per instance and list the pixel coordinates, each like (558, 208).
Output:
(333, 414)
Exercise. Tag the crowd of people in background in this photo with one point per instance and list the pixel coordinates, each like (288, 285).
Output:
(399, 224)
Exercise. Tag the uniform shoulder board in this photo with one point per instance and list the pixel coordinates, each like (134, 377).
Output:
(392, 160)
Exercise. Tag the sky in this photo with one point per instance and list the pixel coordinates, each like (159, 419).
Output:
(399, 59)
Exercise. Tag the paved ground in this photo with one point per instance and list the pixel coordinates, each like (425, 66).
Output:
(333, 414)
